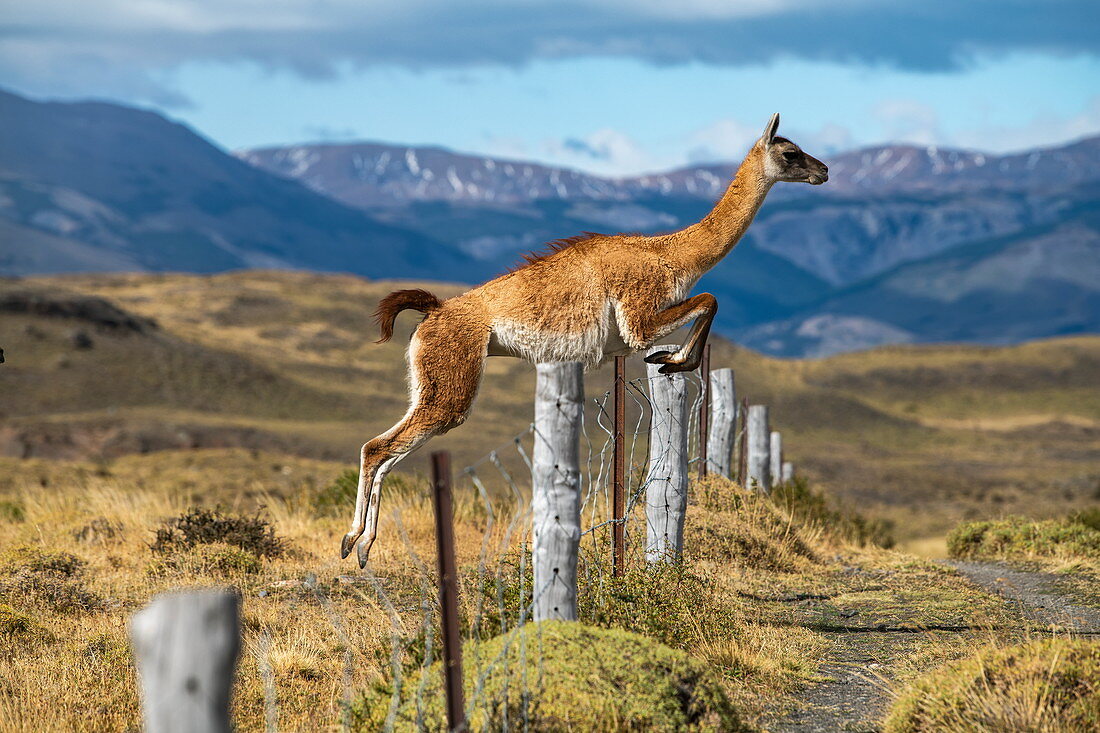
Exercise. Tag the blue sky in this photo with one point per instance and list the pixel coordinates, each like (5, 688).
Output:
(612, 86)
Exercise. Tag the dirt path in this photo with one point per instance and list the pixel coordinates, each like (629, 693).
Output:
(853, 694)
(851, 697)
(1034, 593)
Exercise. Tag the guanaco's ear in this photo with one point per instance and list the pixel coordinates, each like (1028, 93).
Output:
(769, 130)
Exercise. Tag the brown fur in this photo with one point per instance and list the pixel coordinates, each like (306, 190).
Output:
(575, 302)
(386, 312)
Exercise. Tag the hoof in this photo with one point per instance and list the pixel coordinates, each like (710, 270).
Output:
(672, 368)
(347, 544)
(659, 357)
(362, 552)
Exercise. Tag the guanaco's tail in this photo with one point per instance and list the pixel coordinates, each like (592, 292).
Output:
(399, 300)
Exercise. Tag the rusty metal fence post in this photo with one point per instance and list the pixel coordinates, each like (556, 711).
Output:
(742, 452)
(618, 551)
(448, 590)
(704, 409)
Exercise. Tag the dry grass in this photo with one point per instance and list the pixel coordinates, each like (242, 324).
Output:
(96, 529)
(1046, 686)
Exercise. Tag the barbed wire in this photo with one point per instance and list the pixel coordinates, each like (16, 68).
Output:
(500, 595)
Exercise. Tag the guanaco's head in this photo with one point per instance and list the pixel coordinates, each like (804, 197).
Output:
(785, 161)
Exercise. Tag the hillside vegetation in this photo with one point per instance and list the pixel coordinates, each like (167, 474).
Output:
(285, 362)
(745, 621)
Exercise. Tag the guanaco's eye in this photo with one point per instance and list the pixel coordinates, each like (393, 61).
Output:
(790, 156)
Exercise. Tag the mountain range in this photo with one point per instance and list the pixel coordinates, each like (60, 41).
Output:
(904, 244)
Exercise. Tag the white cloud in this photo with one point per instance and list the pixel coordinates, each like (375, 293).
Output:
(908, 120)
(44, 42)
(1044, 130)
(607, 151)
(721, 140)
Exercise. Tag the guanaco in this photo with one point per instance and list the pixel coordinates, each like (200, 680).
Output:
(587, 299)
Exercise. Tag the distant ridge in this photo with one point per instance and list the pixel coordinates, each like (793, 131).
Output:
(91, 186)
(905, 244)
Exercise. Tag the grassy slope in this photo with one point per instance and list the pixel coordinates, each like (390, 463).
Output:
(285, 361)
(760, 600)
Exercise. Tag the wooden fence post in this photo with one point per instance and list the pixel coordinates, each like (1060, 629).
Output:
(556, 489)
(667, 480)
(618, 529)
(759, 462)
(186, 647)
(448, 590)
(788, 472)
(775, 468)
(723, 422)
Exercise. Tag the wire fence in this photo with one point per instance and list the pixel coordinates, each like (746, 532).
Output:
(544, 508)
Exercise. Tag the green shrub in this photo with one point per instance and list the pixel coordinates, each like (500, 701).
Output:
(338, 498)
(669, 602)
(33, 560)
(1088, 517)
(812, 508)
(17, 625)
(205, 526)
(1017, 538)
(559, 676)
(12, 511)
(1051, 686)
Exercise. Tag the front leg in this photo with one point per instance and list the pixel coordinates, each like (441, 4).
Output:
(690, 355)
(643, 327)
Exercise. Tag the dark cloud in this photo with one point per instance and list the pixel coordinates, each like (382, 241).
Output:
(907, 34)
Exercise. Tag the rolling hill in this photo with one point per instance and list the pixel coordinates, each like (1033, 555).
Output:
(101, 187)
(285, 362)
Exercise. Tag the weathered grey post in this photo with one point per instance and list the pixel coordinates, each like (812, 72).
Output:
(776, 457)
(723, 422)
(759, 462)
(186, 647)
(556, 489)
(667, 480)
(788, 472)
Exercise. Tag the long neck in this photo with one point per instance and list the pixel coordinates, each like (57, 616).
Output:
(719, 231)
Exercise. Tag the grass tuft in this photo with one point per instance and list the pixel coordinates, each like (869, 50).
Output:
(12, 511)
(1016, 538)
(47, 580)
(812, 508)
(577, 678)
(1051, 685)
(215, 558)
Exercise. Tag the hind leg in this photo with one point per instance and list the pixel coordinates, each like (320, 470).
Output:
(445, 371)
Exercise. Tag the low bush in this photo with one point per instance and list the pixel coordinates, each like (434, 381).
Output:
(216, 558)
(1019, 538)
(30, 577)
(16, 625)
(1051, 686)
(199, 526)
(558, 676)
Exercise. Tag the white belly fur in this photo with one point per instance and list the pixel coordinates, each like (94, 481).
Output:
(591, 346)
